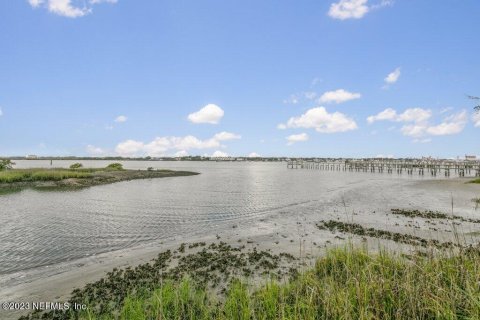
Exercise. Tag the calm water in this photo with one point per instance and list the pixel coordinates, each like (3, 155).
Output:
(44, 228)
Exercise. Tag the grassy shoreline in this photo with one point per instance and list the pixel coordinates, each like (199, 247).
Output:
(347, 283)
(65, 179)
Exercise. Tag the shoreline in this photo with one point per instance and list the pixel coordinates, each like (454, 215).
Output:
(280, 231)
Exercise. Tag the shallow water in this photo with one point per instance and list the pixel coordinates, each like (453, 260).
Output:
(46, 228)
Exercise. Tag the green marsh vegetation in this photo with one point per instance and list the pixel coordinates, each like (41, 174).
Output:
(428, 214)
(18, 175)
(6, 164)
(75, 177)
(115, 166)
(346, 283)
(76, 166)
(475, 180)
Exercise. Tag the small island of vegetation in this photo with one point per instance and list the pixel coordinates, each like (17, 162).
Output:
(75, 177)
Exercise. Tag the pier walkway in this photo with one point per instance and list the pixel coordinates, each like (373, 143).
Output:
(445, 168)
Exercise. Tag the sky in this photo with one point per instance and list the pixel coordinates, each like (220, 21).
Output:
(324, 78)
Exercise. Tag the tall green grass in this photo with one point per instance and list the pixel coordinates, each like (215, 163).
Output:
(19, 175)
(347, 283)
(475, 181)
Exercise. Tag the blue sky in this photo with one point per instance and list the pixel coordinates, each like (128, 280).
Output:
(351, 78)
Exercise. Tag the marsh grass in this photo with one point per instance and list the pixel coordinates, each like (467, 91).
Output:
(475, 180)
(59, 179)
(359, 230)
(428, 214)
(19, 175)
(347, 283)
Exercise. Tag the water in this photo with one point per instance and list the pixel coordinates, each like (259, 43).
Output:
(46, 228)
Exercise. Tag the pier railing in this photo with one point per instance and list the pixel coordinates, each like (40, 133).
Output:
(445, 168)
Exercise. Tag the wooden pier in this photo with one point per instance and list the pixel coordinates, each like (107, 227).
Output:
(421, 167)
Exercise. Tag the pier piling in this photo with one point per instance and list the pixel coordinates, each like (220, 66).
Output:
(411, 167)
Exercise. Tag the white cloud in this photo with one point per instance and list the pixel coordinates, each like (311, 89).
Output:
(35, 3)
(447, 109)
(409, 115)
(381, 156)
(224, 136)
(253, 155)
(393, 76)
(1, 112)
(354, 9)
(451, 125)
(426, 140)
(419, 125)
(293, 99)
(475, 118)
(415, 115)
(281, 126)
(92, 150)
(296, 138)
(219, 154)
(297, 97)
(348, 9)
(68, 8)
(121, 119)
(129, 148)
(387, 114)
(162, 145)
(102, 1)
(211, 113)
(338, 96)
(181, 153)
(322, 121)
(414, 130)
(383, 3)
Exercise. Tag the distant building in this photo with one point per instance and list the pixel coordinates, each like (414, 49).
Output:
(222, 159)
(31, 156)
(470, 158)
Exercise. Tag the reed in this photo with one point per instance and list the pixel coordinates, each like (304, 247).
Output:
(19, 175)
